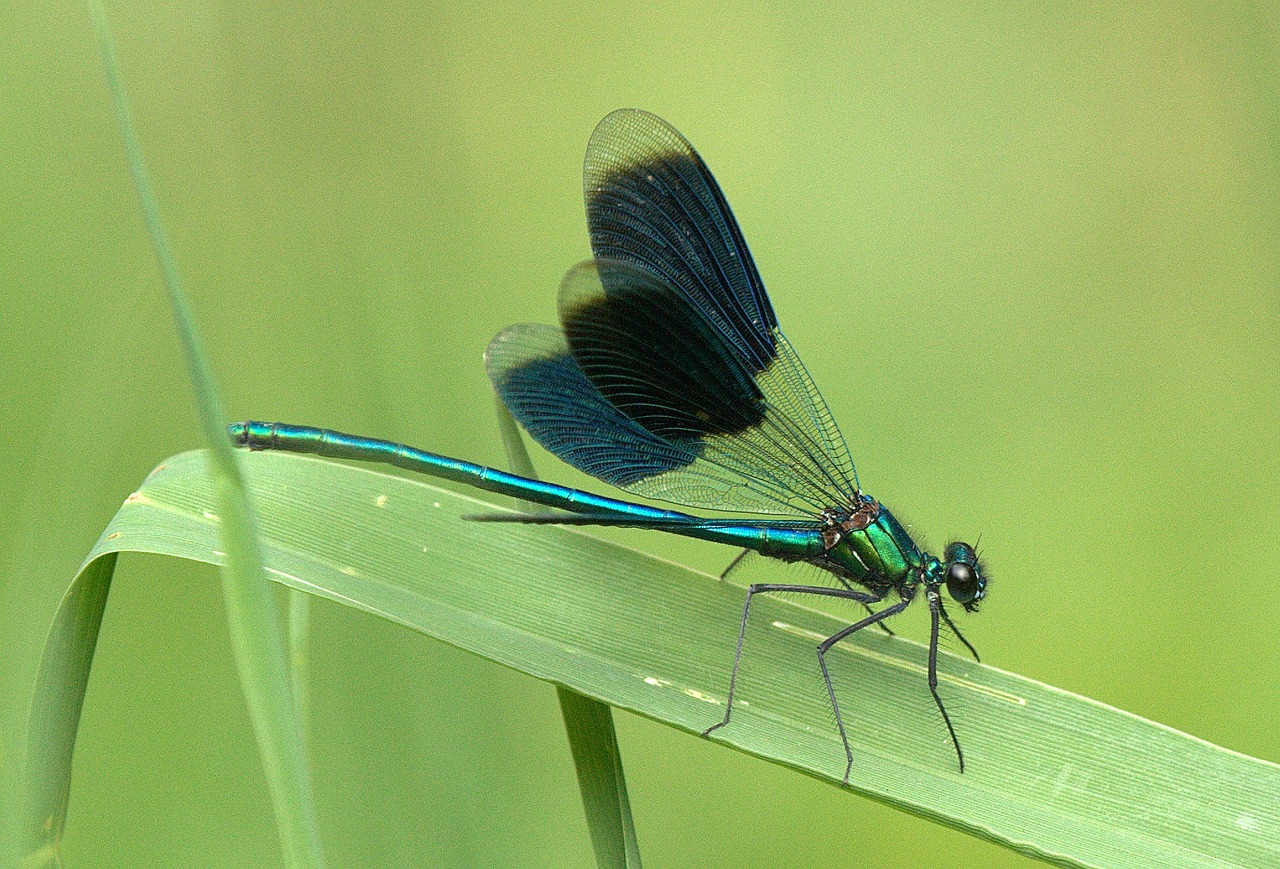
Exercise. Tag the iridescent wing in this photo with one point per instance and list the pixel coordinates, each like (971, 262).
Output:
(670, 378)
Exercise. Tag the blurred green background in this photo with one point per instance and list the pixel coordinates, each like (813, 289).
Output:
(1030, 254)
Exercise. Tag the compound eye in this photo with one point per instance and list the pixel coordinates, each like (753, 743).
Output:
(962, 582)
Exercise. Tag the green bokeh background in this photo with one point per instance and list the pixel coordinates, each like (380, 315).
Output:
(1030, 253)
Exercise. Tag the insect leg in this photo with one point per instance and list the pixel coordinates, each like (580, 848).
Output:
(737, 559)
(968, 645)
(825, 646)
(935, 610)
(848, 594)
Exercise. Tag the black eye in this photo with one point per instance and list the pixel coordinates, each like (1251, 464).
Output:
(962, 582)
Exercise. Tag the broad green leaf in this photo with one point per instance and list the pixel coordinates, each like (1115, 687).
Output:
(1048, 773)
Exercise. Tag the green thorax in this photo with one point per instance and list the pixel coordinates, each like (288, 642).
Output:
(880, 555)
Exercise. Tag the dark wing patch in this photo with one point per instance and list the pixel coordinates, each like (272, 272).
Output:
(545, 390)
(671, 378)
(540, 383)
(652, 202)
(654, 356)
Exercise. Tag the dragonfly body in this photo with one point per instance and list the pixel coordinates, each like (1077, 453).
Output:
(670, 378)
(779, 541)
(866, 546)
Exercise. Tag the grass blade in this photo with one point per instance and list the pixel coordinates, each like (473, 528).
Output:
(598, 761)
(1050, 774)
(300, 660)
(588, 723)
(55, 709)
(256, 637)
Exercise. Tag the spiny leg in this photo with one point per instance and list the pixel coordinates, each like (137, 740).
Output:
(737, 559)
(968, 645)
(866, 606)
(935, 609)
(740, 557)
(881, 625)
(825, 646)
(752, 591)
